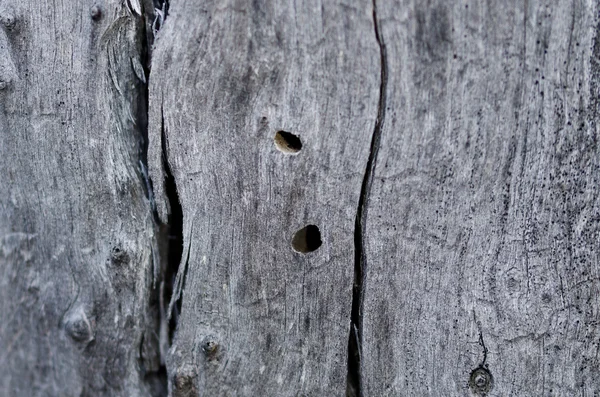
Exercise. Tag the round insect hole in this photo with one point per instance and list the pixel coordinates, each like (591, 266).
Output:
(287, 143)
(307, 239)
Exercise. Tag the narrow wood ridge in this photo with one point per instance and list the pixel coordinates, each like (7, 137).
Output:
(354, 384)
(142, 113)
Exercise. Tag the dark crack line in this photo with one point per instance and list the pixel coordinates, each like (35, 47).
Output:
(481, 342)
(169, 236)
(174, 309)
(485, 350)
(174, 235)
(354, 387)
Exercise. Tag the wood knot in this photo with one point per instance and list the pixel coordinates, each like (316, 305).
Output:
(78, 327)
(119, 257)
(481, 381)
(210, 349)
(184, 385)
(8, 19)
(4, 83)
(96, 13)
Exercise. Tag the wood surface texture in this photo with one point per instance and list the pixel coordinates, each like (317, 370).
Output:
(481, 240)
(307, 198)
(76, 229)
(258, 318)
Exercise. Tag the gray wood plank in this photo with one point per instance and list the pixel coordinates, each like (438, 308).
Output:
(76, 228)
(257, 318)
(481, 240)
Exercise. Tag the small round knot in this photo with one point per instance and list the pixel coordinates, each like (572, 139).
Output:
(481, 381)
(119, 257)
(4, 83)
(96, 12)
(184, 385)
(78, 326)
(8, 19)
(210, 349)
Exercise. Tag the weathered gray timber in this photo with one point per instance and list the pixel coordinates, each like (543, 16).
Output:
(257, 318)
(388, 198)
(481, 240)
(76, 229)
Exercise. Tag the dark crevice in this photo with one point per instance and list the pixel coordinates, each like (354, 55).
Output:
(174, 244)
(153, 374)
(485, 350)
(354, 380)
(169, 236)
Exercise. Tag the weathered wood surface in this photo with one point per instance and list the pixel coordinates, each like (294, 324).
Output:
(481, 240)
(257, 318)
(76, 229)
(448, 156)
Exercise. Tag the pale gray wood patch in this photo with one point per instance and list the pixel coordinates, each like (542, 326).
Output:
(258, 318)
(482, 228)
(76, 229)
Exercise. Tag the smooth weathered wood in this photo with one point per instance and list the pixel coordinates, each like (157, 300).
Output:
(76, 229)
(257, 318)
(483, 218)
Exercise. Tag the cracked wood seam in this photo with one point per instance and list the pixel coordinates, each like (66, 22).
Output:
(76, 230)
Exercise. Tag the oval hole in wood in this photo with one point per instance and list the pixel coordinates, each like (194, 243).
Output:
(287, 143)
(307, 239)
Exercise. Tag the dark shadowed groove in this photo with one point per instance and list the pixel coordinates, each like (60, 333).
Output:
(154, 378)
(170, 235)
(354, 380)
(175, 234)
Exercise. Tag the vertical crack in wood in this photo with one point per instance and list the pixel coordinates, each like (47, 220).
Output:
(354, 381)
(171, 279)
(485, 350)
(155, 379)
(169, 236)
(481, 342)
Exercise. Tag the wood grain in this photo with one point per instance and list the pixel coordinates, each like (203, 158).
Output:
(257, 318)
(446, 151)
(76, 228)
(481, 240)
